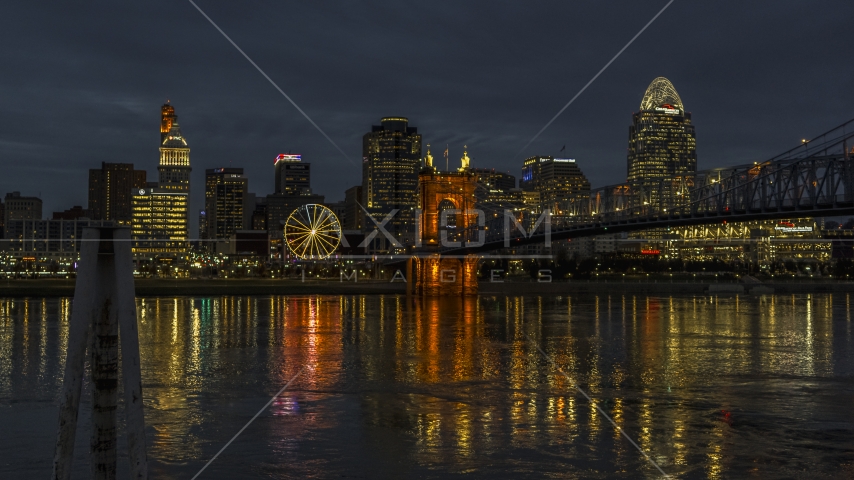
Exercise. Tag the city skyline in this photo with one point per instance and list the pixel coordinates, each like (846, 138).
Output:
(741, 92)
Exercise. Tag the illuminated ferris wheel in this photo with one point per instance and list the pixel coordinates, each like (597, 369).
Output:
(312, 232)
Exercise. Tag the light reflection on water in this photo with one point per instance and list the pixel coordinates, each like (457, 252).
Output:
(709, 387)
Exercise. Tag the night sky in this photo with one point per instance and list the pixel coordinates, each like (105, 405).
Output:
(82, 84)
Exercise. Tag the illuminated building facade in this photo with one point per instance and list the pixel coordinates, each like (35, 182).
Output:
(293, 176)
(391, 159)
(763, 243)
(174, 167)
(160, 215)
(557, 180)
(159, 225)
(110, 190)
(662, 143)
(228, 203)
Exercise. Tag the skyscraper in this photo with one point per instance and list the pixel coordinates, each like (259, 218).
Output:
(293, 176)
(662, 143)
(557, 180)
(160, 216)
(110, 190)
(391, 160)
(227, 202)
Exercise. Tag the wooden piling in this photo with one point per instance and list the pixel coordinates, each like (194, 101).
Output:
(103, 313)
(79, 332)
(131, 374)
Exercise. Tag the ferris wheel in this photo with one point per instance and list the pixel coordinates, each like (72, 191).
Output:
(312, 232)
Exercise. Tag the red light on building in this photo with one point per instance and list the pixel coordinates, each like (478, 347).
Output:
(287, 157)
(650, 252)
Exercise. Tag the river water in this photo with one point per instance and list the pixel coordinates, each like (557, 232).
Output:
(707, 387)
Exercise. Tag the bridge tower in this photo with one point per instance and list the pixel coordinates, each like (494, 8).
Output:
(447, 201)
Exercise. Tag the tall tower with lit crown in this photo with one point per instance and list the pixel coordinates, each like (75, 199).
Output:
(662, 143)
(174, 165)
(160, 216)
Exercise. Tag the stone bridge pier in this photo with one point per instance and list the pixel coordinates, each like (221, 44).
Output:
(436, 276)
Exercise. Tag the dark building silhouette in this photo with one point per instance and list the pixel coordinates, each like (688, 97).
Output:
(353, 214)
(72, 213)
(110, 191)
(259, 214)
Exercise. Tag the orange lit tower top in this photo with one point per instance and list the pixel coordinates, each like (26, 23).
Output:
(167, 118)
(174, 167)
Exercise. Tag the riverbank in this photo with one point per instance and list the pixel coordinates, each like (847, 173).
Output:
(255, 286)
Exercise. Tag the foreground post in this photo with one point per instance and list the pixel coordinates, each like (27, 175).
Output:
(103, 313)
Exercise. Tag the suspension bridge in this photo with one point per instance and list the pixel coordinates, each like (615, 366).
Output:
(814, 179)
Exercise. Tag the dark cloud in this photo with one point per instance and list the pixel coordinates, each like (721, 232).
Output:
(83, 84)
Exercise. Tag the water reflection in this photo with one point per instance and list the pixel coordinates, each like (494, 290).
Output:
(709, 386)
